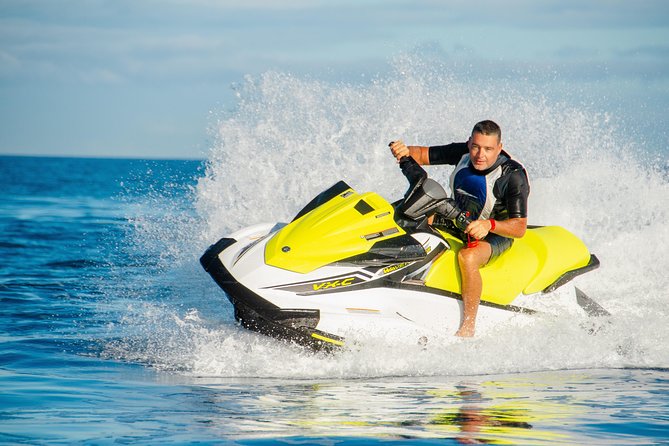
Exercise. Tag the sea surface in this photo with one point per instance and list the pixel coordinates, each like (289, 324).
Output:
(110, 333)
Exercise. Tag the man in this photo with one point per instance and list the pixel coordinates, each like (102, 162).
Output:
(493, 188)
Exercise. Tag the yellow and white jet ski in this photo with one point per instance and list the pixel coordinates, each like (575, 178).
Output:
(351, 264)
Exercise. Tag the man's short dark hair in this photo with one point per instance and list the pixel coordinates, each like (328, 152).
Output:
(488, 127)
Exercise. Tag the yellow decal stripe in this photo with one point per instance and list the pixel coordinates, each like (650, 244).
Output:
(323, 338)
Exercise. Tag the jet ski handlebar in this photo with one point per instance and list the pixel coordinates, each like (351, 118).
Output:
(426, 197)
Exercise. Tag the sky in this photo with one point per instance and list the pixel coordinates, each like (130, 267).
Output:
(147, 78)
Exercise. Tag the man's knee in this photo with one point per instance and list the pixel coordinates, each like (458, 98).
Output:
(467, 258)
(473, 258)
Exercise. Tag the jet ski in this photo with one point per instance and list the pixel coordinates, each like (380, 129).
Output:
(353, 265)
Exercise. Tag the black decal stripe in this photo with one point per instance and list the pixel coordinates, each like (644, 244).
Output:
(215, 268)
(450, 294)
(388, 282)
(320, 287)
(357, 273)
(397, 275)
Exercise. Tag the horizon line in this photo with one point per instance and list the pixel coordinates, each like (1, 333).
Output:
(108, 157)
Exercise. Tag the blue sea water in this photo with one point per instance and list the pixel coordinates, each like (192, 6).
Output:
(111, 333)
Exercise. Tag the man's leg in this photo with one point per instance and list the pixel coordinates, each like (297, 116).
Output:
(471, 260)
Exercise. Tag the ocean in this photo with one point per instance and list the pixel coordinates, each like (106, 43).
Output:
(112, 333)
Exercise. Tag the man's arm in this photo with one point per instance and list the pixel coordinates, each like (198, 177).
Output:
(432, 155)
(513, 227)
(413, 172)
(419, 153)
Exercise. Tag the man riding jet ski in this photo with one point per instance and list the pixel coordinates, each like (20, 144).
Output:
(352, 265)
(494, 188)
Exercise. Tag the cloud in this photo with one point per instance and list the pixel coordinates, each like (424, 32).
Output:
(180, 41)
(659, 52)
(532, 14)
(8, 63)
(189, 51)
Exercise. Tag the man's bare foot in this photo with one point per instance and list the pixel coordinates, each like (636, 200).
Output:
(465, 332)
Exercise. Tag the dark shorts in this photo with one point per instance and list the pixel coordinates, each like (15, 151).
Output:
(498, 244)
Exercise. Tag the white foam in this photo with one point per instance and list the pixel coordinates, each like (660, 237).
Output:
(290, 138)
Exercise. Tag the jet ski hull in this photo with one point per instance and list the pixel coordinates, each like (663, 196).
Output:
(378, 307)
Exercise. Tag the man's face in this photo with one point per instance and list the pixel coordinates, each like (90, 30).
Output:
(483, 150)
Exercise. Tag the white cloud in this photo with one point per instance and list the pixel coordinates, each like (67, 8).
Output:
(185, 40)
(175, 45)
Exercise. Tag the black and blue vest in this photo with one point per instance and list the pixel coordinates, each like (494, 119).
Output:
(499, 192)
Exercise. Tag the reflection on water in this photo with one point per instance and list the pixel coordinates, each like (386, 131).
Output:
(484, 413)
(470, 411)
(474, 420)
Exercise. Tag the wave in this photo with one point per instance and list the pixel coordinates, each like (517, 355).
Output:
(291, 137)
